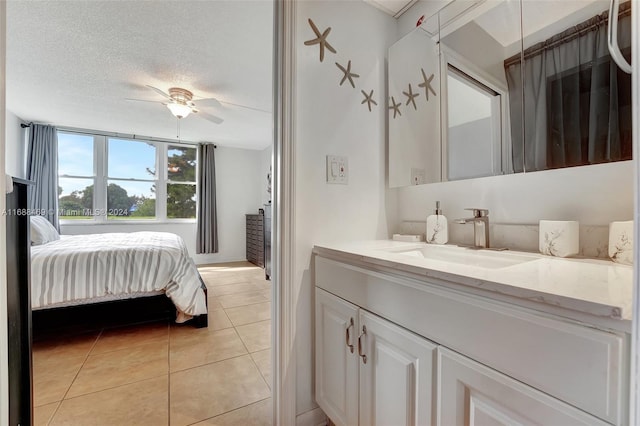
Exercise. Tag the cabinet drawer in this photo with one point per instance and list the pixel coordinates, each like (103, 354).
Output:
(472, 394)
(582, 366)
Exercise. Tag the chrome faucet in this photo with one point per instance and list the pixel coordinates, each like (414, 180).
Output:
(480, 222)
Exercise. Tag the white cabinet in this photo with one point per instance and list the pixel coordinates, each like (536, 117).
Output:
(470, 393)
(336, 359)
(389, 370)
(441, 356)
(396, 382)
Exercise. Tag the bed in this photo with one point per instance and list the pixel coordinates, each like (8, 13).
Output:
(85, 269)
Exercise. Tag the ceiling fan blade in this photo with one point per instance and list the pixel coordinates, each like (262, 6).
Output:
(160, 92)
(145, 100)
(209, 117)
(209, 101)
(247, 107)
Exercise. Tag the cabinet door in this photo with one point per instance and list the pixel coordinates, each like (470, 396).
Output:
(336, 358)
(396, 381)
(472, 394)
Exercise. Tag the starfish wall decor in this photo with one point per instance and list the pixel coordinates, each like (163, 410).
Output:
(321, 39)
(368, 98)
(323, 43)
(347, 74)
(411, 97)
(426, 83)
(395, 107)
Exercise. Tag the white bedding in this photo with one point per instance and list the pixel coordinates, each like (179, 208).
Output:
(81, 267)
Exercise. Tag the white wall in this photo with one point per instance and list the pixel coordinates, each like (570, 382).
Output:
(237, 174)
(237, 194)
(592, 195)
(15, 148)
(330, 119)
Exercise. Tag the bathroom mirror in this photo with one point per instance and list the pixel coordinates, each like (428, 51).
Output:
(463, 131)
(414, 108)
(477, 125)
(577, 102)
(569, 105)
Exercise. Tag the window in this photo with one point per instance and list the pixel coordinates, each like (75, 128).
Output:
(131, 179)
(589, 118)
(181, 182)
(76, 175)
(474, 127)
(105, 178)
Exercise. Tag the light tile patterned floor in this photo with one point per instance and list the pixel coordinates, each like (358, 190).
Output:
(162, 373)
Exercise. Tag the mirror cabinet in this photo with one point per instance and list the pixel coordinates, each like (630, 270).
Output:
(493, 87)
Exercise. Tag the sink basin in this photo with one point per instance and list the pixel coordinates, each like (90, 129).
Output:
(466, 256)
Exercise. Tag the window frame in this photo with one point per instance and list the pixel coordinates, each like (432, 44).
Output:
(167, 182)
(93, 178)
(495, 101)
(101, 179)
(503, 163)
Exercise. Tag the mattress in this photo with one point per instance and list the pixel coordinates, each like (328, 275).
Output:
(81, 269)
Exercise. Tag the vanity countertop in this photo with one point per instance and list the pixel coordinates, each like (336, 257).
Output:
(596, 287)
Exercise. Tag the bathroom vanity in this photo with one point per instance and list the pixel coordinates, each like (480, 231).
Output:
(417, 334)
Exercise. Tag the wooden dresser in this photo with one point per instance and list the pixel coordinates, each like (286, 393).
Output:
(255, 239)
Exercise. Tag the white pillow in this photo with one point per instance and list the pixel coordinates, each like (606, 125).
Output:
(42, 231)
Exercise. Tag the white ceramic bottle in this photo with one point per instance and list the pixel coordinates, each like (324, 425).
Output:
(437, 227)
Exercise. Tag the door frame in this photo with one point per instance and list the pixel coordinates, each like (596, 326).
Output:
(283, 220)
(634, 376)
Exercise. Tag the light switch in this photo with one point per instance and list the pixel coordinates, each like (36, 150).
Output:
(337, 169)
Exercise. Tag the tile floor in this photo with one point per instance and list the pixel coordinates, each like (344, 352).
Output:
(165, 374)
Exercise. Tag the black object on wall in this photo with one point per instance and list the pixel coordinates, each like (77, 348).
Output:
(19, 305)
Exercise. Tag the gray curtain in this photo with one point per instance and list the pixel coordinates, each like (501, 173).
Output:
(575, 101)
(42, 168)
(207, 227)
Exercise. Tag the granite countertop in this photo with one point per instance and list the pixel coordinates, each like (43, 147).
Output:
(593, 286)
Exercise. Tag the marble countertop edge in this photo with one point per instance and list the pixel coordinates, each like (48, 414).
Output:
(590, 286)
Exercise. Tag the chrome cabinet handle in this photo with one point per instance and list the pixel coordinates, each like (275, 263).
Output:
(364, 332)
(348, 335)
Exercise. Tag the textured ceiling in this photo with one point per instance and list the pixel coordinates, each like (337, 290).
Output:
(74, 64)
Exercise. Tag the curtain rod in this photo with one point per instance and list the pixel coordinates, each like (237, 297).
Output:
(122, 135)
(569, 34)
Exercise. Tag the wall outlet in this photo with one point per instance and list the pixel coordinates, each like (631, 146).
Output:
(337, 169)
(418, 176)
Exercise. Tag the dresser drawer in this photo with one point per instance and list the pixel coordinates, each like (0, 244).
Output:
(254, 239)
(582, 366)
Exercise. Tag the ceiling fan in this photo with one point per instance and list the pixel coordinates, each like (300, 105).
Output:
(180, 103)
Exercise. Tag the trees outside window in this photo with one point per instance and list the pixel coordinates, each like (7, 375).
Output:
(102, 178)
(181, 182)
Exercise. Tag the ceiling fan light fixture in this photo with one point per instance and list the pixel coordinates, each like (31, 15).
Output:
(179, 110)
(180, 103)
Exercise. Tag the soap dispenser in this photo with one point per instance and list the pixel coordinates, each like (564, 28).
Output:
(437, 227)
